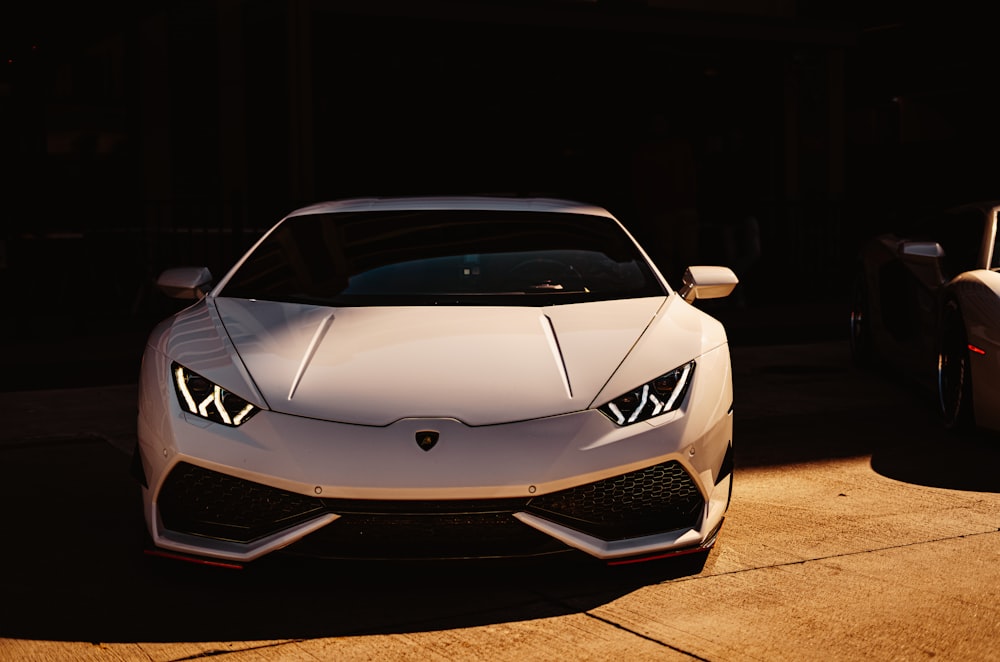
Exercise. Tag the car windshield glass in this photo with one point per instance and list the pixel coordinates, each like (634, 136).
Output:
(961, 235)
(442, 257)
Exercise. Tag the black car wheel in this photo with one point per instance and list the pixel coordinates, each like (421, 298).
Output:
(954, 373)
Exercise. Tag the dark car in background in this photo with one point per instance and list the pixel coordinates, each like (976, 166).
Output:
(926, 304)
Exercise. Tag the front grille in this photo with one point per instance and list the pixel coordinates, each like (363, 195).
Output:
(453, 529)
(449, 507)
(438, 536)
(207, 503)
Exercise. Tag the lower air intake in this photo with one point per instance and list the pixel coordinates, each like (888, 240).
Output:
(208, 503)
(652, 500)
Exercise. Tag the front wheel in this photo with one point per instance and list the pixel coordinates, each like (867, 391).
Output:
(954, 372)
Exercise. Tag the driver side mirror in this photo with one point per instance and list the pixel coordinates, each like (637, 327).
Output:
(708, 283)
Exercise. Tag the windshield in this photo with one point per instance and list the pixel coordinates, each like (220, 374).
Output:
(444, 257)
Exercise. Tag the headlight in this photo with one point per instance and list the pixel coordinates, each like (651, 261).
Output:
(663, 394)
(201, 397)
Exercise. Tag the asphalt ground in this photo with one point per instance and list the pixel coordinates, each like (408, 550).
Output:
(859, 530)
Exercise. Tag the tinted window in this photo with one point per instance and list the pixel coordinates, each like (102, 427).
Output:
(961, 237)
(444, 257)
(960, 234)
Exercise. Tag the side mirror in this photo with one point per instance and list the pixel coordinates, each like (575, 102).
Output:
(922, 250)
(708, 283)
(185, 282)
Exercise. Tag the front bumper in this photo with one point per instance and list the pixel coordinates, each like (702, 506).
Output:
(572, 482)
(199, 503)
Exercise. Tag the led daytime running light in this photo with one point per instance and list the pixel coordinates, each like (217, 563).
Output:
(647, 401)
(202, 398)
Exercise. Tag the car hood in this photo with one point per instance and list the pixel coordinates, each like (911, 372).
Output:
(479, 365)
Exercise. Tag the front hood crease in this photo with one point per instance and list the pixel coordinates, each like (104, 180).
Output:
(479, 365)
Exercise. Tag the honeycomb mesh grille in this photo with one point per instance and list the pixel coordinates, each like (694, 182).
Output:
(208, 503)
(652, 500)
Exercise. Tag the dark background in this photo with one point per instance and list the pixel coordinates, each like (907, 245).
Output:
(152, 134)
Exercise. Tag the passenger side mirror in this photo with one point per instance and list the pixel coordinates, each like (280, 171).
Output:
(923, 250)
(185, 282)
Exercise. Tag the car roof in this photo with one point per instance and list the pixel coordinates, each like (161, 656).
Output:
(477, 202)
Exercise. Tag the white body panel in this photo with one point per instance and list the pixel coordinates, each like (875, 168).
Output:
(979, 296)
(372, 366)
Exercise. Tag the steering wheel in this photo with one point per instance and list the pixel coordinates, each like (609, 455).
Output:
(545, 273)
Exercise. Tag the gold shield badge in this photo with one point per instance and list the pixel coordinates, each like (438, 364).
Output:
(427, 439)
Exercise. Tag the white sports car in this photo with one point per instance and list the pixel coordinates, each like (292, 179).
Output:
(437, 378)
(927, 305)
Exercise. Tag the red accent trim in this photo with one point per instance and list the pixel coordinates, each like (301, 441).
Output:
(656, 557)
(193, 559)
(977, 350)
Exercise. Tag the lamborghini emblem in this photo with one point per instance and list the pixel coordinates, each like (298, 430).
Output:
(427, 439)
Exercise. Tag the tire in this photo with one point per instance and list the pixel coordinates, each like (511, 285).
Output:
(954, 372)
(862, 346)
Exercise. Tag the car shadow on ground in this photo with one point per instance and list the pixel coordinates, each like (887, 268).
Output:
(76, 571)
(810, 403)
(918, 448)
(944, 459)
